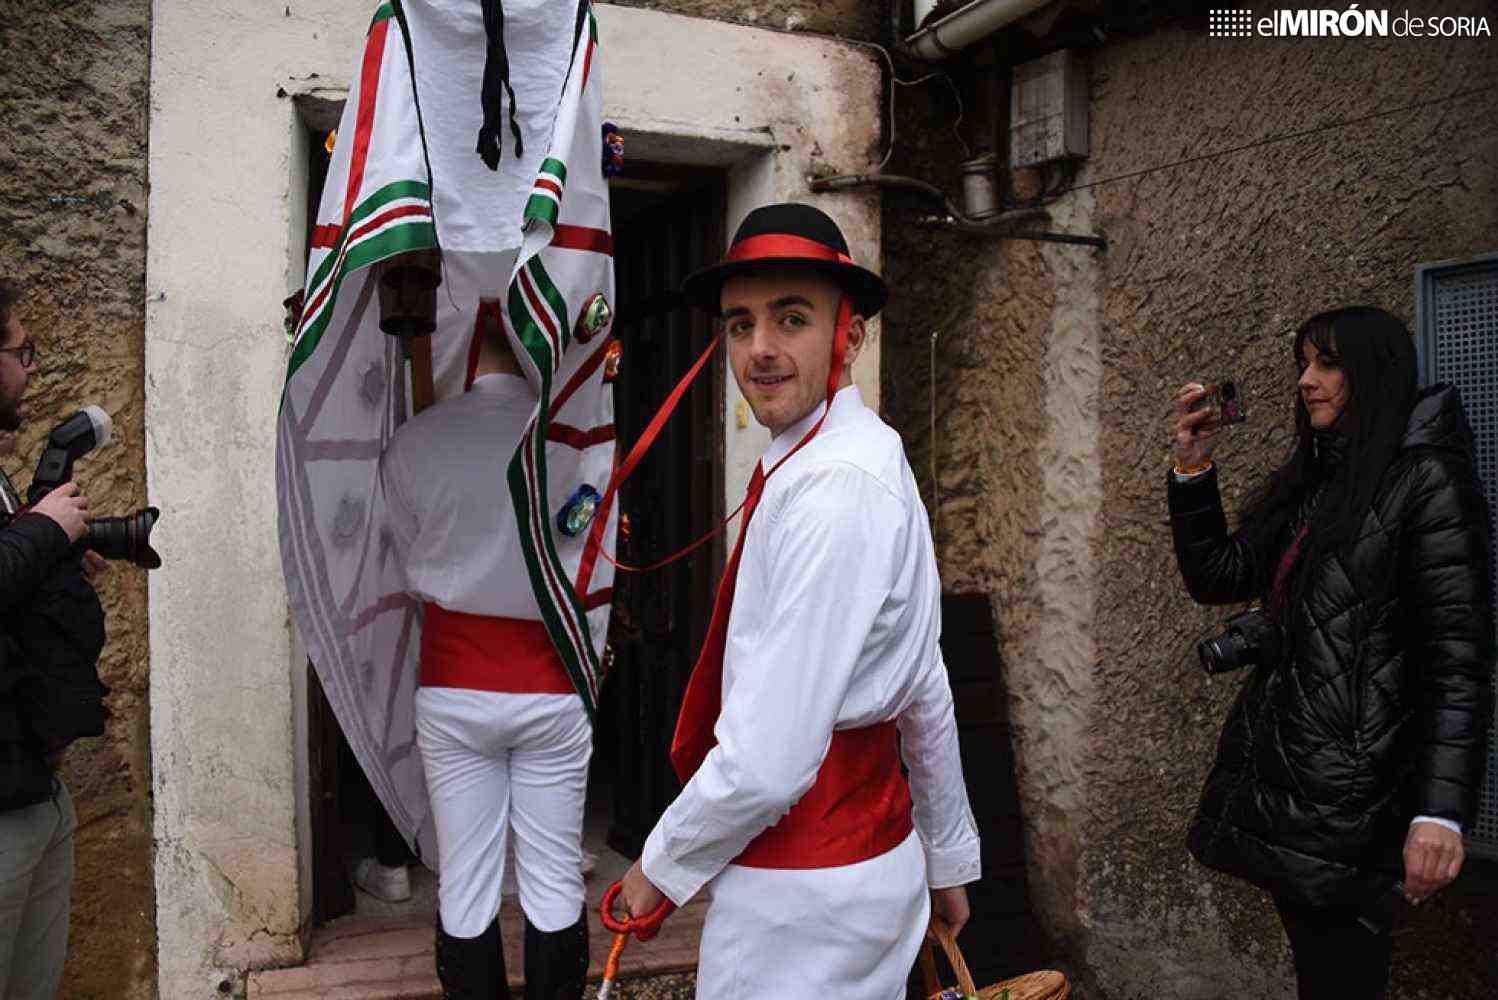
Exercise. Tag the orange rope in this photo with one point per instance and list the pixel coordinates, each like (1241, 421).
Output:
(611, 967)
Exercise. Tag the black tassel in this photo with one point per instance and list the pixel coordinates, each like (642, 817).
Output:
(496, 88)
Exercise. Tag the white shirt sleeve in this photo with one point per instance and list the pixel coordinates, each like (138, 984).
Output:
(829, 552)
(943, 817)
(1449, 824)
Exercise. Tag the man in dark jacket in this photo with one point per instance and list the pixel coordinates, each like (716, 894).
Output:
(51, 632)
(1354, 752)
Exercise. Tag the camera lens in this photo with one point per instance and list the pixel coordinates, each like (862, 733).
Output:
(1210, 654)
(126, 537)
(1224, 653)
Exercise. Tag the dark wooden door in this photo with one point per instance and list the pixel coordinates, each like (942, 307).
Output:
(1002, 939)
(667, 222)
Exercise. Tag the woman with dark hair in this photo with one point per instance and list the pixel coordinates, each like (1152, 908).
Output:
(1354, 751)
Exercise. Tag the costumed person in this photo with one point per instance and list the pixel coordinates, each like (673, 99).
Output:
(442, 567)
(504, 739)
(821, 671)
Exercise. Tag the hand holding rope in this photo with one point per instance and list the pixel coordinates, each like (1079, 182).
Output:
(643, 928)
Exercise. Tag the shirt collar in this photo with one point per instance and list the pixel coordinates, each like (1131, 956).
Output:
(844, 402)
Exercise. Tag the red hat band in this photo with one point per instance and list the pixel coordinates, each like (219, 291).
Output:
(770, 246)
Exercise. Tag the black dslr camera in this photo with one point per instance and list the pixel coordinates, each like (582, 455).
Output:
(1250, 638)
(126, 538)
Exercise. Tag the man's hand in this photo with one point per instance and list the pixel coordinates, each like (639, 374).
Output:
(640, 897)
(68, 508)
(93, 564)
(1433, 856)
(951, 906)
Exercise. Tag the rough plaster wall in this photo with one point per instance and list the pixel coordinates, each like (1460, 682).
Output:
(1057, 664)
(1212, 266)
(1009, 356)
(850, 18)
(73, 124)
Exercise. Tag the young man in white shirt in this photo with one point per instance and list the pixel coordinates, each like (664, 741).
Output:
(824, 861)
(505, 740)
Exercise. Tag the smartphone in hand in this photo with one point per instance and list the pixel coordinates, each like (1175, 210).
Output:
(1226, 403)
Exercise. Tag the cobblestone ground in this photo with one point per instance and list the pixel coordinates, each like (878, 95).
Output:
(682, 986)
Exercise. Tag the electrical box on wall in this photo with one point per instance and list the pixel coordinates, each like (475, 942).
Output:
(1048, 110)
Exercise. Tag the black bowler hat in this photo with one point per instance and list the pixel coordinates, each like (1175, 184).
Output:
(788, 234)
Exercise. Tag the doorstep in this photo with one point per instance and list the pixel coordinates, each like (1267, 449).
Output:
(392, 959)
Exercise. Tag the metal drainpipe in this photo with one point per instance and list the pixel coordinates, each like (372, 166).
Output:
(967, 25)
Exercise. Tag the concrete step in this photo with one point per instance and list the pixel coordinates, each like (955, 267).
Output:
(392, 959)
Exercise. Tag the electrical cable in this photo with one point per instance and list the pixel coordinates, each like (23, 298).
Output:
(894, 80)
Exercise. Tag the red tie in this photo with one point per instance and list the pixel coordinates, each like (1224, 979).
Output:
(704, 697)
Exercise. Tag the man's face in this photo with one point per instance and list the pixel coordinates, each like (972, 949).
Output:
(780, 324)
(13, 375)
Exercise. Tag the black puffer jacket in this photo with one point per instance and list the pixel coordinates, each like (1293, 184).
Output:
(51, 634)
(1380, 713)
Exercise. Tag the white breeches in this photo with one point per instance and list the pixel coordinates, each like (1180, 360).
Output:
(850, 932)
(497, 763)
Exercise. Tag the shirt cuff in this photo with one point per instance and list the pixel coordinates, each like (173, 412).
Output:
(953, 866)
(1449, 824)
(677, 882)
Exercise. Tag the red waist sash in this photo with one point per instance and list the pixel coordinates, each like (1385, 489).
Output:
(482, 653)
(859, 807)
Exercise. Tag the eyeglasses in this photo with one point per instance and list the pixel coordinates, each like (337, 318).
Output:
(25, 354)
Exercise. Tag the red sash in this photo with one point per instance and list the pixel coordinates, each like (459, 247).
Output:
(482, 653)
(858, 809)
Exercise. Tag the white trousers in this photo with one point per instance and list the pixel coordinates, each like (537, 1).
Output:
(497, 763)
(850, 932)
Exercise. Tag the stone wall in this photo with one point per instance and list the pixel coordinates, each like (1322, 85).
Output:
(1210, 268)
(849, 18)
(73, 107)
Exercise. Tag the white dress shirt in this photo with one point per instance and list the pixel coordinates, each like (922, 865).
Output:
(448, 504)
(834, 625)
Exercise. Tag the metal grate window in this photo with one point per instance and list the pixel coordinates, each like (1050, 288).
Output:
(1457, 306)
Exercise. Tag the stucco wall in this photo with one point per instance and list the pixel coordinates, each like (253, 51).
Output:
(1051, 354)
(73, 126)
(849, 18)
(1212, 267)
(1017, 373)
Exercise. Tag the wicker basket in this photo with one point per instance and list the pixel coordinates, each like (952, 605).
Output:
(1044, 985)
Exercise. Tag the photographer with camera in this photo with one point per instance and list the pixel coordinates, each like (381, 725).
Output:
(51, 634)
(1354, 751)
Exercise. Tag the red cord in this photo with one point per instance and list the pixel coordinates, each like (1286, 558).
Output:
(652, 430)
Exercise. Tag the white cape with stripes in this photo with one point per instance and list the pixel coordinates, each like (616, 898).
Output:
(534, 235)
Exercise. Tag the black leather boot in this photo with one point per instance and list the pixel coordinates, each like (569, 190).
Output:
(556, 963)
(472, 968)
